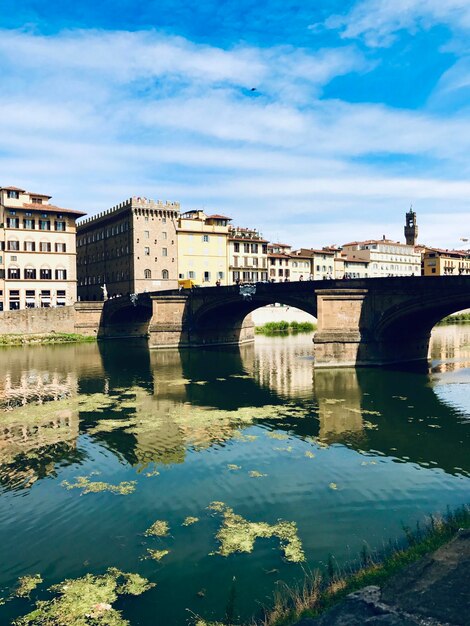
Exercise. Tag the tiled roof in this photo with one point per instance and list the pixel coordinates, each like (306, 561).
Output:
(39, 195)
(46, 208)
(217, 217)
(12, 189)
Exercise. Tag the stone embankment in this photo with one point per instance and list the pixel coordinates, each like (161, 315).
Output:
(82, 318)
(434, 591)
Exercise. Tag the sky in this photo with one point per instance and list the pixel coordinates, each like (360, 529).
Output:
(317, 122)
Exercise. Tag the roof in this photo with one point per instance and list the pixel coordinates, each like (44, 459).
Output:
(39, 195)
(12, 189)
(370, 241)
(51, 207)
(278, 255)
(217, 217)
(280, 245)
(459, 253)
(248, 239)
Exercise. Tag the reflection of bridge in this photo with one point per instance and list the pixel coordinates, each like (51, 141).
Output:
(376, 321)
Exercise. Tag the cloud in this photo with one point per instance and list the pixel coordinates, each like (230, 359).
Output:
(379, 21)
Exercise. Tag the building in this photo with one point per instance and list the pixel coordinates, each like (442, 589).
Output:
(37, 251)
(301, 264)
(247, 255)
(279, 256)
(384, 257)
(202, 248)
(437, 262)
(130, 248)
(411, 228)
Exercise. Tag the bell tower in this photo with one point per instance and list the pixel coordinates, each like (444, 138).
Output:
(411, 227)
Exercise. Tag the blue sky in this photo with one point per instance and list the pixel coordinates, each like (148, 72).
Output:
(359, 109)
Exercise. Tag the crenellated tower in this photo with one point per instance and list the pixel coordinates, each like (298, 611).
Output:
(411, 227)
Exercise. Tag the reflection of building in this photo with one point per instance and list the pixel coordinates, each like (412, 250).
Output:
(130, 248)
(202, 248)
(37, 255)
(248, 255)
(437, 262)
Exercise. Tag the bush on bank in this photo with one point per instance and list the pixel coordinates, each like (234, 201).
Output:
(44, 339)
(455, 319)
(284, 328)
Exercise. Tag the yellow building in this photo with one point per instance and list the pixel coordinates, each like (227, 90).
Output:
(437, 262)
(202, 248)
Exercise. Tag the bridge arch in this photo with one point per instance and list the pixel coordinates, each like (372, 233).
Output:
(124, 318)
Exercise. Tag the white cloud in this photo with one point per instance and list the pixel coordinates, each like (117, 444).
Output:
(378, 21)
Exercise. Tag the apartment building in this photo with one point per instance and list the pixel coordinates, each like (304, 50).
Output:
(130, 248)
(385, 257)
(37, 251)
(279, 258)
(247, 255)
(301, 264)
(438, 262)
(202, 248)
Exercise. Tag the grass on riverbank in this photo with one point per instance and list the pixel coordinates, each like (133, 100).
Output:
(44, 339)
(455, 319)
(285, 328)
(321, 590)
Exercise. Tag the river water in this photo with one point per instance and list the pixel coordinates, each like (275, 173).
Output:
(349, 455)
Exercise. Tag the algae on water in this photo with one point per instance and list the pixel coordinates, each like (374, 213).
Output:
(233, 467)
(239, 535)
(26, 584)
(157, 555)
(86, 601)
(256, 474)
(88, 486)
(190, 520)
(157, 529)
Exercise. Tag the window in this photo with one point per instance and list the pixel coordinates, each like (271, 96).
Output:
(191, 274)
(220, 275)
(14, 300)
(254, 248)
(13, 194)
(165, 274)
(60, 247)
(205, 238)
(44, 225)
(14, 258)
(147, 251)
(146, 218)
(45, 274)
(147, 274)
(60, 226)
(207, 277)
(146, 234)
(29, 223)
(164, 251)
(164, 235)
(13, 245)
(36, 200)
(236, 247)
(30, 273)
(45, 246)
(163, 220)
(45, 298)
(30, 298)
(14, 273)
(60, 297)
(246, 247)
(61, 274)
(13, 222)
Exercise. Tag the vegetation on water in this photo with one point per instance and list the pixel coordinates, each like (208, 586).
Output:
(458, 318)
(157, 555)
(321, 590)
(189, 521)
(86, 600)
(87, 486)
(26, 584)
(239, 535)
(284, 328)
(44, 339)
(159, 528)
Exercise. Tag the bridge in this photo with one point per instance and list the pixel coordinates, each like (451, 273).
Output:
(361, 322)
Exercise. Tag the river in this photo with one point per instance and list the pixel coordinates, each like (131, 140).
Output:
(350, 456)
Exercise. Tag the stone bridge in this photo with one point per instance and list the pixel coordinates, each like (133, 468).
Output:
(361, 322)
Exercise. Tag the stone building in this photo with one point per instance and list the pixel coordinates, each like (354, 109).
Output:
(385, 257)
(130, 248)
(202, 248)
(37, 251)
(247, 255)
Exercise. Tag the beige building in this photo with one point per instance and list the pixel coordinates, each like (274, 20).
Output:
(202, 248)
(437, 262)
(37, 256)
(131, 248)
(248, 255)
(279, 257)
(385, 257)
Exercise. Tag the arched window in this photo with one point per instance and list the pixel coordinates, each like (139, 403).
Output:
(165, 274)
(147, 274)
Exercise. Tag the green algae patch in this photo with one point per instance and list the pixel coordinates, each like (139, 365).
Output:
(233, 467)
(26, 584)
(157, 555)
(333, 486)
(88, 486)
(189, 521)
(239, 535)
(86, 601)
(159, 528)
(280, 436)
(309, 454)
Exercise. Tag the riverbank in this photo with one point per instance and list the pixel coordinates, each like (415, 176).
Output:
(278, 313)
(44, 339)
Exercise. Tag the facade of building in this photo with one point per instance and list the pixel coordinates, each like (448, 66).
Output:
(38, 254)
(279, 257)
(247, 255)
(202, 248)
(437, 262)
(131, 248)
(301, 264)
(385, 257)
